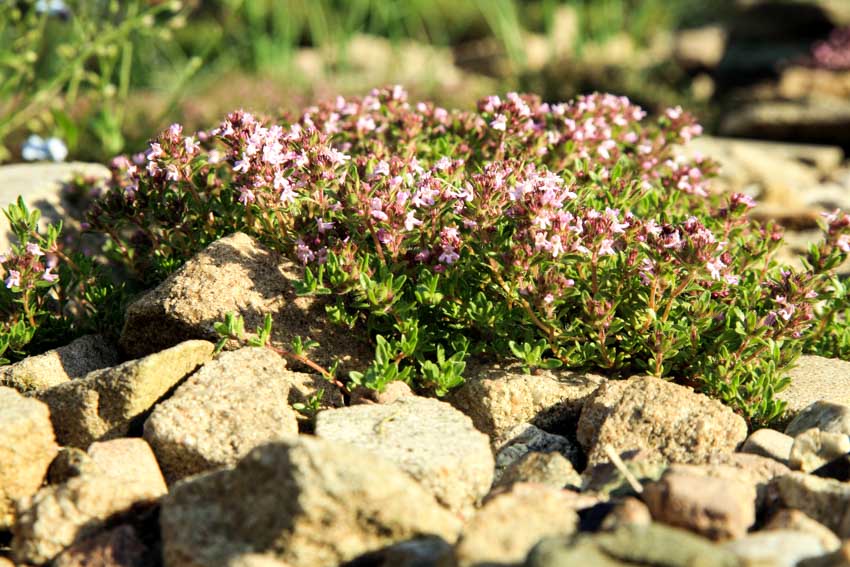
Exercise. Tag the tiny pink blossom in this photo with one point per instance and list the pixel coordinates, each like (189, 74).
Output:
(14, 279)
(32, 248)
(499, 123)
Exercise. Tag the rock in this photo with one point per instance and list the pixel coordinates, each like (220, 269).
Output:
(494, 536)
(255, 560)
(27, 446)
(753, 470)
(815, 379)
(130, 460)
(824, 415)
(105, 403)
(118, 547)
(664, 419)
(821, 120)
(652, 545)
(70, 462)
(307, 501)
(627, 512)
(420, 552)
(824, 500)
(779, 548)
(41, 186)
(715, 508)
(61, 515)
(815, 448)
(392, 392)
(839, 558)
(700, 48)
(237, 274)
(231, 405)
(550, 469)
(799, 81)
(769, 443)
(430, 440)
(527, 438)
(786, 519)
(608, 480)
(54, 367)
(500, 399)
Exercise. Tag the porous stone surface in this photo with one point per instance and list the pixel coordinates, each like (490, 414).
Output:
(494, 536)
(231, 405)
(786, 519)
(824, 415)
(117, 547)
(769, 443)
(713, 507)
(58, 516)
(628, 511)
(237, 274)
(129, 459)
(60, 365)
(550, 469)
(499, 399)
(815, 378)
(814, 448)
(664, 419)
(306, 501)
(27, 446)
(105, 403)
(653, 545)
(528, 438)
(779, 548)
(70, 462)
(823, 499)
(429, 439)
(746, 468)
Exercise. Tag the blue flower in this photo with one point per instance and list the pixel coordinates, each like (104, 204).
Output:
(37, 148)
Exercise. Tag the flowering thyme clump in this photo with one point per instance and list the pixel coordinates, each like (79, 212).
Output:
(569, 230)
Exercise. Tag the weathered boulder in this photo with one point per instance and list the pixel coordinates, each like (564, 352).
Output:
(823, 499)
(105, 403)
(665, 419)
(60, 365)
(429, 439)
(27, 446)
(237, 274)
(231, 405)
(306, 501)
(823, 415)
(814, 379)
(814, 448)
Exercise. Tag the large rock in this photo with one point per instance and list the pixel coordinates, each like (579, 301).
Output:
(813, 379)
(509, 525)
(662, 418)
(27, 446)
(653, 545)
(231, 405)
(822, 415)
(41, 184)
(309, 502)
(60, 365)
(237, 274)
(824, 500)
(812, 120)
(500, 399)
(716, 508)
(814, 448)
(105, 403)
(429, 439)
(58, 516)
(527, 438)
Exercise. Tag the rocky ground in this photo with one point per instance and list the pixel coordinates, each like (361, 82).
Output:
(156, 452)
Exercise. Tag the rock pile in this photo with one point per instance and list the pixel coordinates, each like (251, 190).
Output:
(182, 458)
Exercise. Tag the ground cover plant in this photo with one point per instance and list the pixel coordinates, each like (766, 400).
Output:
(563, 235)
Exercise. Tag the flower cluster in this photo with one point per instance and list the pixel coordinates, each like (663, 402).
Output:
(834, 52)
(476, 232)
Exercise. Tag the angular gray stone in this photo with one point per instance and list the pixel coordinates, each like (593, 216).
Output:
(823, 499)
(825, 415)
(499, 399)
(527, 438)
(231, 405)
(716, 508)
(27, 446)
(429, 439)
(60, 365)
(237, 274)
(510, 524)
(305, 501)
(550, 469)
(420, 552)
(103, 404)
(813, 379)
(667, 420)
(779, 548)
(814, 448)
(769, 443)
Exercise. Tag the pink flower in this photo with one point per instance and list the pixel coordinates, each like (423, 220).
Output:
(499, 123)
(449, 255)
(606, 247)
(48, 276)
(32, 248)
(377, 210)
(323, 226)
(246, 195)
(411, 221)
(843, 243)
(715, 267)
(14, 279)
